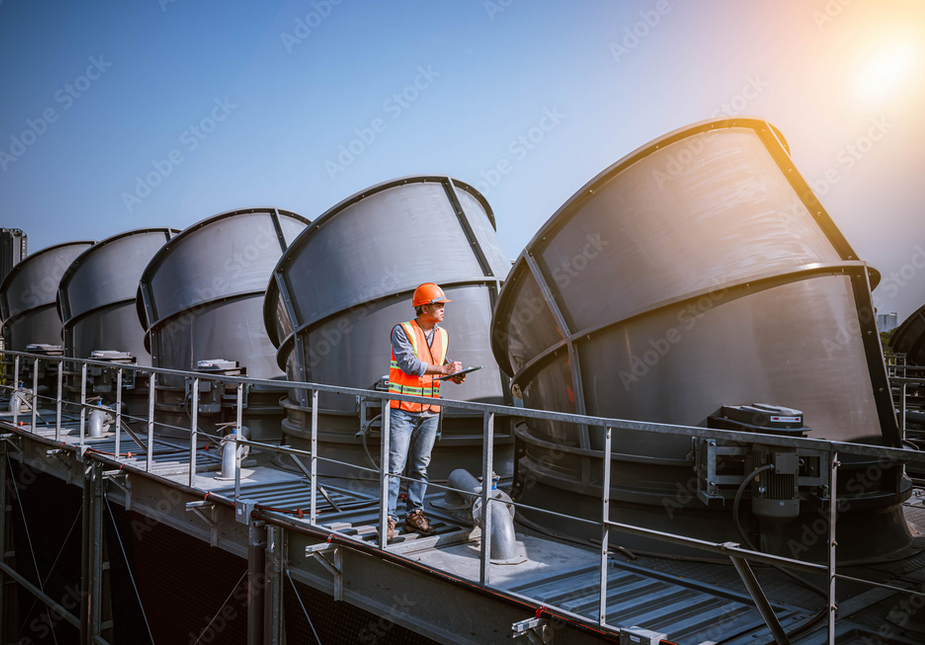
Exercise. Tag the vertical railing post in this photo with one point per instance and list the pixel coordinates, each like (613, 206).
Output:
(833, 517)
(238, 460)
(902, 412)
(83, 401)
(35, 392)
(314, 463)
(488, 458)
(151, 398)
(60, 400)
(194, 432)
(118, 410)
(15, 389)
(384, 474)
(605, 528)
(4, 492)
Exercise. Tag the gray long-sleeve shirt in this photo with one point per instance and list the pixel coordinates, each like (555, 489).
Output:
(404, 351)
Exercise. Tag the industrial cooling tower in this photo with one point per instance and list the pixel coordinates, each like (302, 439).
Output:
(909, 338)
(27, 296)
(347, 281)
(200, 301)
(699, 281)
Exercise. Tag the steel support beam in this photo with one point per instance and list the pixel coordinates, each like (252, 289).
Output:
(91, 579)
(256, 581)
(7, 617)
(273, 590)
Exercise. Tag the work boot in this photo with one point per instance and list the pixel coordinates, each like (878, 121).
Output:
(390, 533)
(415, 521)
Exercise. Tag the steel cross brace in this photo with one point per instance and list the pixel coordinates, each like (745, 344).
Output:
(761, 601)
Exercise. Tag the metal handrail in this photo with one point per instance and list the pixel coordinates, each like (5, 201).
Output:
(736, 552)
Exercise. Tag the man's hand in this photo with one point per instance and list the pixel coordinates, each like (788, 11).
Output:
(458, 379)
(452, 368)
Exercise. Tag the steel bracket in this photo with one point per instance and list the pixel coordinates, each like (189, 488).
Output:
(535, 629)
(119, 479)
(12, 440)
(196, 507)
(335, 568)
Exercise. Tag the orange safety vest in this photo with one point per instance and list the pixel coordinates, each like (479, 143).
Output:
(433, 354)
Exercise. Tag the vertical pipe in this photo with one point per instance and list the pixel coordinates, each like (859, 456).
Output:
(35, 392)
(902, 424)
(118, 409)
(83, 401)
(194, 432)
(60, 400)
(833, 507)
(605, 528)
(238, 461)
(488, 456)
(151, 399)
(384, 474)
(314, 464)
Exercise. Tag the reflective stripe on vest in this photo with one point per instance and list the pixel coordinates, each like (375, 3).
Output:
(435, 354)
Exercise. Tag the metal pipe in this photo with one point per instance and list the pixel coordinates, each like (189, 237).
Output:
(503, 539)
(384, 476)
(194, 434)
(605, 529)
(15, 410)
(151, 399)
(833, 513)
(35, 392)
(488, 444)
(314, 464)
(83, 402)
(60, 400)
(118, 408)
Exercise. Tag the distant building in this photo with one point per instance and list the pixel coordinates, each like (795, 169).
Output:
(14, 246)
(887, 322)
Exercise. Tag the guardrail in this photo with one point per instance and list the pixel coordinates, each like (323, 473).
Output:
(739, 556)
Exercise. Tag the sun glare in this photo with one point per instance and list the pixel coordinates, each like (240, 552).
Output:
(885, 72)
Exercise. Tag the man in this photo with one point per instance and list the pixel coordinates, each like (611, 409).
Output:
(418, 356)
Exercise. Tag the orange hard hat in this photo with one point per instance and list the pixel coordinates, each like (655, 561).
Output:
(427, 294)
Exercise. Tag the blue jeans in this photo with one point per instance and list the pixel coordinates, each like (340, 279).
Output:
(411, 438)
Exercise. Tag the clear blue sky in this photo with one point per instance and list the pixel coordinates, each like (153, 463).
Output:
(237, 104)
